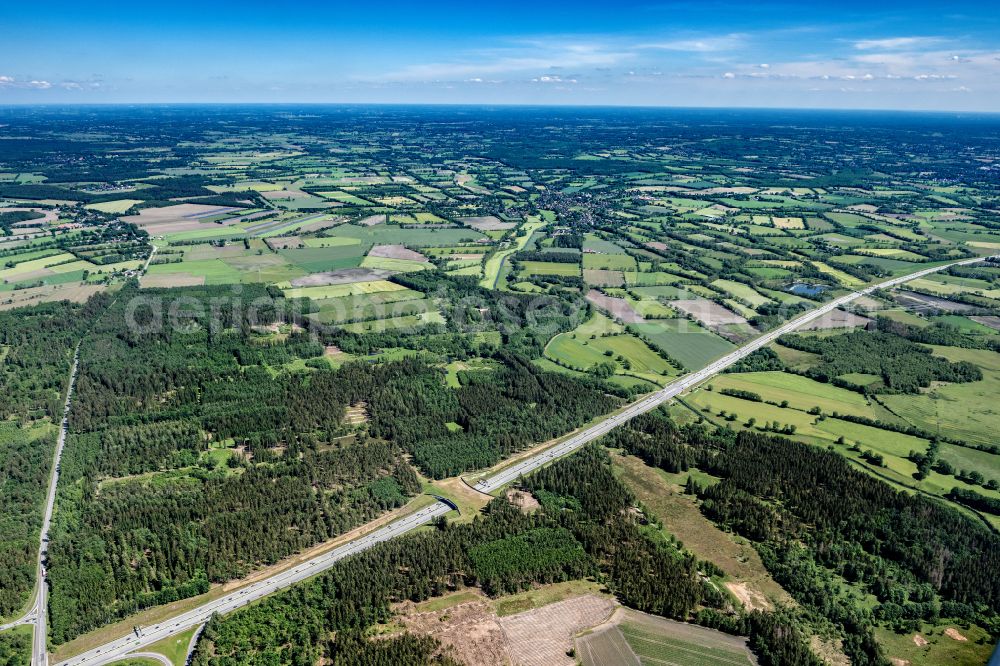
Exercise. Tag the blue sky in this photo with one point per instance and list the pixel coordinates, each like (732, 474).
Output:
(892, 55)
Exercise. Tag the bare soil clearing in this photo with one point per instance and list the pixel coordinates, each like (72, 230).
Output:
(523, 500)
(837, 319)
(396, 252)
(922, 303)
(469, 631)
(751, 599)
(953, 633)
(487, 223)
(283, 242)
(708, 312)
(619, 308)
(70, 292)
(179, 212)
(171, 280)
(342, 276)
(542, 637)
(603, 278)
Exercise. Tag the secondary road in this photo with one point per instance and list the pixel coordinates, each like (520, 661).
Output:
(119, 648)
(152, 656)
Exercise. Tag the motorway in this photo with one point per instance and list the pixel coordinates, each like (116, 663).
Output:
(39, 609)
(657, 398)
(117, 649)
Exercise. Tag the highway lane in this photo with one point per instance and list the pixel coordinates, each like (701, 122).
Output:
(119, 648)
(40, 607)
(682, 384)
(125, 645)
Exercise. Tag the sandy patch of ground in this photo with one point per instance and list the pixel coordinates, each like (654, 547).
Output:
(171, 280)
(954, 634)
(395, 252)
(919, 640)
(356, 414)
(751, 599)
(469, 631)
(341, 276)
(708, 312)
(619, 308)
(830, 651)
(656, 245)
(372, 220)
(837, 319)
(523, 500)
(542, 637)
(487, 223)
(896, 661)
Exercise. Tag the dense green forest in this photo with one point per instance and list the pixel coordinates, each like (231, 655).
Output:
(36, 350)
(824, 529)
(195, 454)
(15, 648)
(584, 528)
(904, 366)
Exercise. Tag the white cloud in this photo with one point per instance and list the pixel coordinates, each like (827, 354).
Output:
(552, 79)
(894, 43)
(6, 80)
(40, 85)
(538, 55)
(699, 45)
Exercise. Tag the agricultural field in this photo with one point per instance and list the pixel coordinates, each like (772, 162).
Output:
(636, 638)
(441, 292)
(686, 342)
(601, 341)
